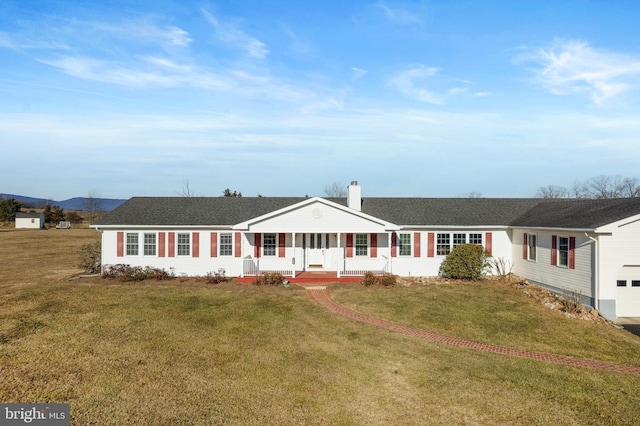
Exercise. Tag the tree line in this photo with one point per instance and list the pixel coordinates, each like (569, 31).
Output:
(599, 187)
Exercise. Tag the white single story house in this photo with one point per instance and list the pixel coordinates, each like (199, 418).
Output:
(589, 246)
(30, 220)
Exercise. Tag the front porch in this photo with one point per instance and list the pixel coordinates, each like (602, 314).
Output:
(310, 278)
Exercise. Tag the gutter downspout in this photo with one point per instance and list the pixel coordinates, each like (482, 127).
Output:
(596, 272)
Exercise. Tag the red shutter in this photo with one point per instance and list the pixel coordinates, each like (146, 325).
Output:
(349, 245)
(172, 244)
(161, 244)
(488, 245)
(572, 252)
(195, 252)
(430, 244)
(374, 245)
(416, 244)
(214, 244)
(394, 245)
(554, 250)
(238, 244)
(257, 240)
(525, 246)
(120, 244)
(281, 243)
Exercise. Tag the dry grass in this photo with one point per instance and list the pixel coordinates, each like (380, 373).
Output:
(190, 353)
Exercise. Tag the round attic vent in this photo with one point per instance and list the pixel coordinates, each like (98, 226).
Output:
(316, 213)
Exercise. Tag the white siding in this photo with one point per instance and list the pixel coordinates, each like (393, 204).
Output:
(317, 217)
(620, 260)
(30, 222)
(561, 277)
(181, 265)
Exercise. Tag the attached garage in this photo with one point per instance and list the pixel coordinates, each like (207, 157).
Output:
(628, 292)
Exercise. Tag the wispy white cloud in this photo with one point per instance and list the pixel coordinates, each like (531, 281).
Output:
(398, 15)
(411, 83)
(574, 66)
(143, 31)
(357, 73)
(230, 32)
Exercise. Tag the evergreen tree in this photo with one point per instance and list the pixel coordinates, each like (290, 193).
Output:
(8, 209)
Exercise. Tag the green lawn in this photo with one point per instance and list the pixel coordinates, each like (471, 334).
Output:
(191, 353)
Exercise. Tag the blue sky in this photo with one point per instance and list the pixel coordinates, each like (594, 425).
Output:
(282, 98)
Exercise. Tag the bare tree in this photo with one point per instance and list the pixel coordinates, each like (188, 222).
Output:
(93, 205)
(604, 187)
(186, 190)
(599, 187)
(579, 190)
(336, 189)
(630, 188)
(552, 191)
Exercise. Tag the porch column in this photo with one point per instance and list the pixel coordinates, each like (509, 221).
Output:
(389, 235)
(340, 260)
(293, 248)
(242, 253)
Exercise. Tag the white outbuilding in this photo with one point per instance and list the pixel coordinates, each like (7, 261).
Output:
(29, 220)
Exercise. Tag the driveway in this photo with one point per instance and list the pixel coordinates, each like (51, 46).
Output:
(631, 324)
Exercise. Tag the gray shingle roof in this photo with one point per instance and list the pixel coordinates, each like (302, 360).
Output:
(528, 212)
(25, 215)
(448, 211)
(578, 214)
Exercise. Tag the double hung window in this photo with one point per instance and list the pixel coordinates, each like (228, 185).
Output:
(184, 244)
(563, 251)
(404, 240)
(532, 243)
(226, 244)
(362, 246)
(149, 244)
(132, 243)
(269, 245)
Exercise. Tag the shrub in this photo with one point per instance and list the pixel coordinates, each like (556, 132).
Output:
(386, 280)
(369, 279)
(466, 262)
(216, 277)
(91, 257)
(128, 273)
(571, 301)
(269, 278)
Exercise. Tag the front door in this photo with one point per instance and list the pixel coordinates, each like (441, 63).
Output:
(317, 250)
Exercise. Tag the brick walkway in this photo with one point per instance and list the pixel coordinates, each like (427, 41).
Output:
(322, 297)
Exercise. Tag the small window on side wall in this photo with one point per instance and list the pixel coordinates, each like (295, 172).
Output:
(635, 283)
(533, 244)
(621, 283)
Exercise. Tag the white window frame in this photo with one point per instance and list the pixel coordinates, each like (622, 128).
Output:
(561, 252)
(443, 243)
(183, 248)
(404, 247)
(359, 244)
(150, 241)
(132, 243)
(476, 238)
(226, 247)
(269, 248)
(532, 247)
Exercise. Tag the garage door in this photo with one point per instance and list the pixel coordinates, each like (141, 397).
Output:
(628, 300)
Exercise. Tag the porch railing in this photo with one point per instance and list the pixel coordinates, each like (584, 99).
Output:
(251, 267)
(360, 272)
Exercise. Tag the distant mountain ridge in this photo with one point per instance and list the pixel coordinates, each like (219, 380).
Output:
(76, 203)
